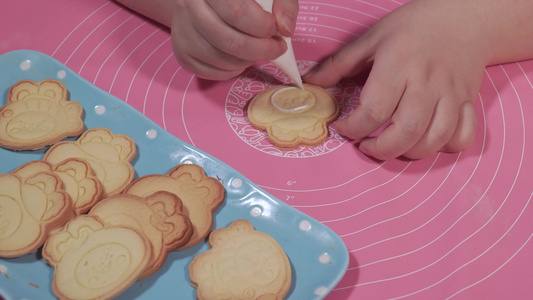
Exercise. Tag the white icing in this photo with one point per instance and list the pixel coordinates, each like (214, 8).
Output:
(286, 109)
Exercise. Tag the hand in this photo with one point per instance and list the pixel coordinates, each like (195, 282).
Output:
(427, 61)
(219, 39)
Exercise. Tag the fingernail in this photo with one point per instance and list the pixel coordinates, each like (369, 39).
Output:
(287, 23)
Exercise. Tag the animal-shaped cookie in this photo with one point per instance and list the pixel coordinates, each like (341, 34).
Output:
(242, 264)
(159, 217)
(38, 114)
(77, 176)
(94, 261)
(201, 195)
(108, 154)
(30, 208)
(293, 117)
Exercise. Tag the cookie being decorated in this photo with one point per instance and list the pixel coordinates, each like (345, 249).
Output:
(293, 117)
(242, 264)
(38, 114)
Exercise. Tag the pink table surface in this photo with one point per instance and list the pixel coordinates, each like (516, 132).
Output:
(449, 226)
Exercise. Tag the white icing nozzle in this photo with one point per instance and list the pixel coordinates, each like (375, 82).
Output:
(286, 62)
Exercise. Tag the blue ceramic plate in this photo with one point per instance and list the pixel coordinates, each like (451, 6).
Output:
(318, 256)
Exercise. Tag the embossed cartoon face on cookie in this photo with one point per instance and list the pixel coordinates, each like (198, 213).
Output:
(242, 264)
(159, 217)
(77, 176)
(94, 261)
(293, 117)
(38, 114)
(108, 154)
(201, 195)
(29, 209)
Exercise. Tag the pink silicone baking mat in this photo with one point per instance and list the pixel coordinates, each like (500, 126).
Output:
(448, 226)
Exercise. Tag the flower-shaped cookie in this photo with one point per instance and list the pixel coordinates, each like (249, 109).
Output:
(38, 114)
(201, 195)
(293, 117)
(108, 154)
(242, 264)
(30, 208)
(77, 176)
(94, 261)
(160, 217)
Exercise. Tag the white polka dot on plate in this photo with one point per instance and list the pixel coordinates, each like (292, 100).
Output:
(3, 269)
(99, 109)
(256, 211)
(236, 183)
(305, 225)
(61, 74)
(324, 258)
(151, 134)
(25, 65)
(321, 291)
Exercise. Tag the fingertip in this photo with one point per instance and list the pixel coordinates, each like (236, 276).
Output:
(323, 75)
(341, 127)
(286, 13)
(369, 148)
(286, 24)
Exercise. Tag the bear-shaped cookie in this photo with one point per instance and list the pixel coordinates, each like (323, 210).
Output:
(242, 264)
(77, 176)
(108, 154)
(30, 208)
(94, 261)
(201, 195)
(293, 117)
(160, 217)
(38, 114)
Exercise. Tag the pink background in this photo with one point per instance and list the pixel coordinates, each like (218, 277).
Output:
(448, 226)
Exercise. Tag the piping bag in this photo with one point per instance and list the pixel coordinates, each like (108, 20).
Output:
(286, 62)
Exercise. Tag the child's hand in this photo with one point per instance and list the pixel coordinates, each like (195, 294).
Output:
(427, 63)
(219, 39)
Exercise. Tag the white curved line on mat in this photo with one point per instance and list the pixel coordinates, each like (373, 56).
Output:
(414, 208)
(76, 28)
(152, 80)
(142, 64)
(165, 97)
(115, 49)
(129, 55)
(384, 202)
(102, 42)
(88, 35)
